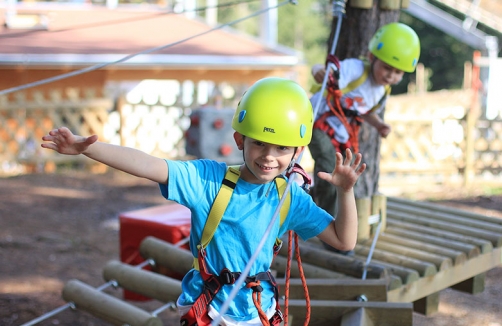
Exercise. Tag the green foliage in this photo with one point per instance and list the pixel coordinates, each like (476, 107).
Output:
(305, 27)
(441, 53)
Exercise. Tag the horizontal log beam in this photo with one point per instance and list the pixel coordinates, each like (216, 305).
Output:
(333, 289)
(329, 313)
(149, 284)
(106, 307)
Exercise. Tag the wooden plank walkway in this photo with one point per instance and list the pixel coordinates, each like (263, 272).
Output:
(422, 249)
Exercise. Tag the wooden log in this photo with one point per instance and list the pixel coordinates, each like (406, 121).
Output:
(336, 262)
(394, 282)
(441, 262)
(106, 307)
(469, 249)
(407, 275)
(423, 268)
(446, 209)
(310, 271)
(494, 237)
(167, 255)
(445, 217)
(484, 245)
(337, 289)
(329, 313)
(149, 284)
(456, 256)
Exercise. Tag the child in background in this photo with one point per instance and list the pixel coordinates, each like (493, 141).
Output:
(273, 124)
(361, 89)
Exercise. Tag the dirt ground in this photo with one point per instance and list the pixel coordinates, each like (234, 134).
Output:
(58, 227)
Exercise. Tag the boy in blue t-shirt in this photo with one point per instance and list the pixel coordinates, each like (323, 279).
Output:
(273, 124)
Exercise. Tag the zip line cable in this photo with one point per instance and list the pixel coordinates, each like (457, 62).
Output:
(130, 56)
(120, 21)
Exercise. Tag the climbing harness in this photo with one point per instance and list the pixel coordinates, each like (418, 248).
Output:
(198, 314)
(350, 119)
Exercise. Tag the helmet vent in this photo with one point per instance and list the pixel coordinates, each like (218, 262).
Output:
(242, 114)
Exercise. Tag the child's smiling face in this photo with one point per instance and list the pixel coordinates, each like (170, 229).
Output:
(264, 161)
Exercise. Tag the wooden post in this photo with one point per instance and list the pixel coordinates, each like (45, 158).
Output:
(472, 116)
(379, 206)
(473, 285)
(363, 214)
(427, 305)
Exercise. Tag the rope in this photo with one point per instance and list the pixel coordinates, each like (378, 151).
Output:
(257, 301)
(130, 56)
(304, 281)
(333, 100)
(288, 276)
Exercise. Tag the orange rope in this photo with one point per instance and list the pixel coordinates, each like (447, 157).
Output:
(336, 108)
(257, 302)
(304, 281)
(288, 275)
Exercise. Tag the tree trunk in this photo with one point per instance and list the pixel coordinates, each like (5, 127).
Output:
(358, 26)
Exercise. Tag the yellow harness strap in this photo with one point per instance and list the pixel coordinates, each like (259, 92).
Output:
(223, 198)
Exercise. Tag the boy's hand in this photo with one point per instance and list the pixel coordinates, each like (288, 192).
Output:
(63, 141)
(346, 172)
(384, 130)
(318, 72)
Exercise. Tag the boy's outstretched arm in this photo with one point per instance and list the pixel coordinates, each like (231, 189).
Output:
(374, 120)
(342, 232)
(126, 159)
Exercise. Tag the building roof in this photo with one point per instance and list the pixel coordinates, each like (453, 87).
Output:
(71, 36)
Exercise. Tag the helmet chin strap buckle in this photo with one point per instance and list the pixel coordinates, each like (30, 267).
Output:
(296, 168)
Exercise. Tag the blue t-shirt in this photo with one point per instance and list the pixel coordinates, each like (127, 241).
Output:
(195, 184)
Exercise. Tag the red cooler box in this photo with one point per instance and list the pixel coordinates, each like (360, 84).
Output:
(169, 222)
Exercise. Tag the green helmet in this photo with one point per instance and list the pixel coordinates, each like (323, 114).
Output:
(397, 45)
(276, 111)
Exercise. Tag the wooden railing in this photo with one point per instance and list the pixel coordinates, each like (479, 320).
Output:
(430, 137)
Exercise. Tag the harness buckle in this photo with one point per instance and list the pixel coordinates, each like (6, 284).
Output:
(226, 276)
(277, 318)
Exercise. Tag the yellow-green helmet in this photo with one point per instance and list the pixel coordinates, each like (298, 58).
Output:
(276, 111)
(397, 45)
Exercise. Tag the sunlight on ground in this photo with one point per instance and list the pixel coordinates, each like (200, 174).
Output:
(62, 192)
(26, 285)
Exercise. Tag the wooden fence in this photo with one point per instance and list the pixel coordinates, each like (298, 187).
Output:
(432, 135)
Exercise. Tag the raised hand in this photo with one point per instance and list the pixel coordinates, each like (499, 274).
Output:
(346, 172)
(63, 141)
